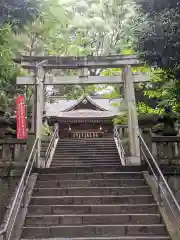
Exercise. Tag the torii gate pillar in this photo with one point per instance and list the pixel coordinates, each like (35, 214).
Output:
(39, 107)
(133, 126)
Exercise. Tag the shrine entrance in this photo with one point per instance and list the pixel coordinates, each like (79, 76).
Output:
(75, 119)
(86, 129)
(87, 117)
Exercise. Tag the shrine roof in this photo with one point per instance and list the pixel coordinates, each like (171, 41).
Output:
(64, 108)
(85, 100)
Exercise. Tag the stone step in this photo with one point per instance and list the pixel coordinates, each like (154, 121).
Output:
(109, 138)
(85, 154)
(72, 149)
(93, 191)
(81, 143)
(125, 177)
(95, 165)
(85, 163)
(86, 144)
(94, 231)
(85, 169)
(90, 183)
(109, 238)
(93, 209)
(87, 159)
(86, 219)
(87, 147)
(81, 150)
(87, 139)
(84, 200)
(79, 163)
(90, 141)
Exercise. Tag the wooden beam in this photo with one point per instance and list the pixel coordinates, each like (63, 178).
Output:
(75, 80)
(27, 80)
(73, 58)
(56, 62)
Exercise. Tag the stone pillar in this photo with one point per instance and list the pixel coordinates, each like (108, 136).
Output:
(133, 127)
(39, 107)
(57, 125)
(6, 152)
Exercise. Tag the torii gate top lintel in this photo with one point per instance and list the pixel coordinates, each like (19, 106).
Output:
(70, 62)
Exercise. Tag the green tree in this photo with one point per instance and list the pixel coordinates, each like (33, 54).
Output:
(14, 15)
(8, 70)
(99, 27)
(18, 13)
(158, 43)
(43, 35)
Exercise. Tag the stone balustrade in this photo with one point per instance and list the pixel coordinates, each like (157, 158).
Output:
(166, 149)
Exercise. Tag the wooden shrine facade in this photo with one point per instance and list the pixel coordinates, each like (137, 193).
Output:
(82, 118)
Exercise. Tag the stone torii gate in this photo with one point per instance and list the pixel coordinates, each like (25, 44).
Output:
(40, 65)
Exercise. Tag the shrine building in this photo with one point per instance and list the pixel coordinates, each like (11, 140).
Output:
(87, 117)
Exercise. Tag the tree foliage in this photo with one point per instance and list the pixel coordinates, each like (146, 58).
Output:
(43, 35)
(99, 27)
(158, 43)
(18, 12)
(8, 70)
(158, 40)
(14, 15)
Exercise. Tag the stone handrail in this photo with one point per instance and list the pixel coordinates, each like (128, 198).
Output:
(120, 147)
(52, 144)
(165, 195)
(7, 228)
(124, 136)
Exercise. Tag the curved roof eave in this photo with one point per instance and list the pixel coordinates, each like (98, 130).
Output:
(81, 99)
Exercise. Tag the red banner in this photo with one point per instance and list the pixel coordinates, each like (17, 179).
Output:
(21, 118)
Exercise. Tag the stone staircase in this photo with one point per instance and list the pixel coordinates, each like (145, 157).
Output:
(86, 152)
(99, 200)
